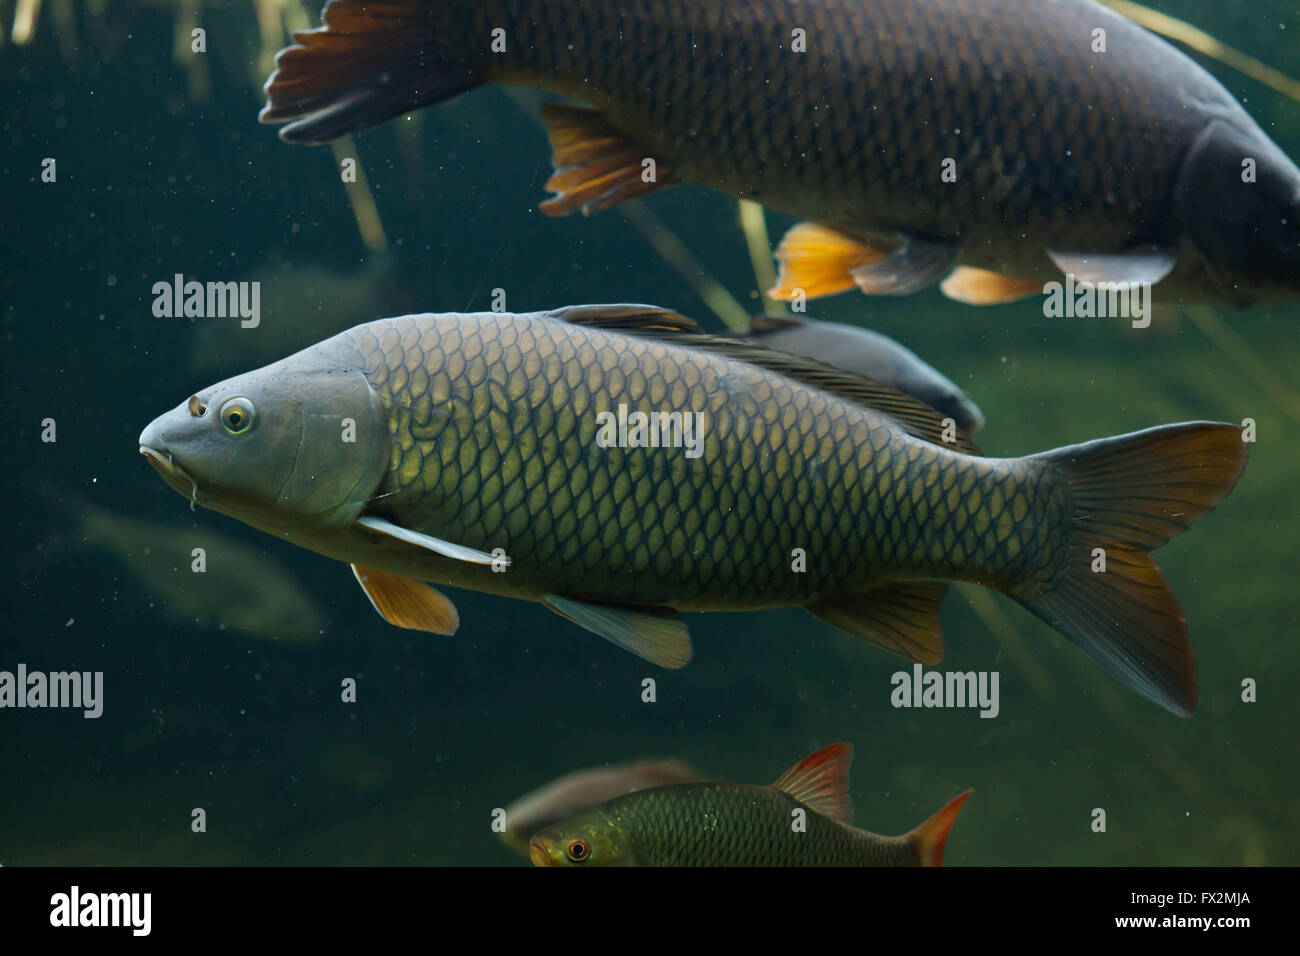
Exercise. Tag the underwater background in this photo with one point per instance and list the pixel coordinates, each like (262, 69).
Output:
(222, 691)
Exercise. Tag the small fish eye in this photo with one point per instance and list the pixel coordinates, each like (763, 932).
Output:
(237, 415)
(578, 850)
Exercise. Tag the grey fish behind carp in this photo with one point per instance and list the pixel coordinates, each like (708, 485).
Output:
(479, 450)
(993, 146)
(870, 355)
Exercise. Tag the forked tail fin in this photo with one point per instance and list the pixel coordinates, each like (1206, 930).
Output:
(931, 837)
(371, 61)
(1131, 494)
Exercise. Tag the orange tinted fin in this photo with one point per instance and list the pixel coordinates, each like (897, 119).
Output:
(821, 782)
(596, 165)
(404, 602)
(371, 61)
(902, 616)
(817, 260)
(931, 837)
(1129, 495)
(981, 287)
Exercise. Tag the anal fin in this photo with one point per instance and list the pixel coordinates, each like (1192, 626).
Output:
(404, 602)
(981, 287)
(900, 616)
(657, 635)
(596, 164)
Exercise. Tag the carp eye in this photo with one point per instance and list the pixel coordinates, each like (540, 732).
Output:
(578, 850)
(237, 415)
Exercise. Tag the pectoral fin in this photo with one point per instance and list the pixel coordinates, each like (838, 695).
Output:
(427, 541)
(981, 287)
(596, 164)
(1127, 268)
(901, 616)
(657, 635)
(404, 602)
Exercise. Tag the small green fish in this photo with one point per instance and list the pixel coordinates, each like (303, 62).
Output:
(620, 466)
(567, 795)
(804, 819)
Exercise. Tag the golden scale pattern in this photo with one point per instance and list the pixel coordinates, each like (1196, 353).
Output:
(493, 420)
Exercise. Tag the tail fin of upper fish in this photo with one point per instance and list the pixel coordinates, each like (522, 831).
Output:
(931, 837)
(371, 61)
(1130, 495)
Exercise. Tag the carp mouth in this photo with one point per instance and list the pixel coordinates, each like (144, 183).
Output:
(172, 473)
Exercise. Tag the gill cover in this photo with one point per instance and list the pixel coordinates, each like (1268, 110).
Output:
(343, 454)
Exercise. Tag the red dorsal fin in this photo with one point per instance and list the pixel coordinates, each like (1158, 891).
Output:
(821, 782)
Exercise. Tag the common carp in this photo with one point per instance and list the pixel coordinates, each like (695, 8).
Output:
(804, 819)
(618, 465)
(994, 146)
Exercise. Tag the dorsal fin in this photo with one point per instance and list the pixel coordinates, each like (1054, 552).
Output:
(820, 781)
(628, 317)
(912, 415)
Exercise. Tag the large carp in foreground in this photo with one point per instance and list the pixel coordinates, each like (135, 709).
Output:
(618, 465)
(998, 143)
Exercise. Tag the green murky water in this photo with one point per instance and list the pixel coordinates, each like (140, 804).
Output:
(164, 169)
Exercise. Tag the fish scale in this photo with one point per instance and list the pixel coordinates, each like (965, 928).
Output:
(707, 824)
(856, 127)
(505, 455)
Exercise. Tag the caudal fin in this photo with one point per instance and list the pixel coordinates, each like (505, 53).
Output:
(1131, 494)
(931, 837)
(371, 61)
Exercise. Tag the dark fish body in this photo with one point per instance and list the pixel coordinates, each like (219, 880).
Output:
(467, 450)
(804, 819)
(1050, 145)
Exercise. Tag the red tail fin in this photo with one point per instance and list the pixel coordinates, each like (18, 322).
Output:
(371, 61)
(931, 837)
